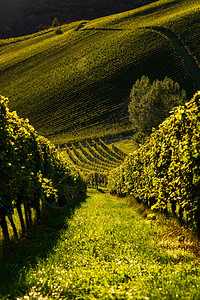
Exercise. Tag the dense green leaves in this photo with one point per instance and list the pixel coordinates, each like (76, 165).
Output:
(150, 103)
(31, 169)
(165, 172)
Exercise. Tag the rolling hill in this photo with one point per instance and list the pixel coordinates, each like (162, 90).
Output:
(75, 85)
(20, 17)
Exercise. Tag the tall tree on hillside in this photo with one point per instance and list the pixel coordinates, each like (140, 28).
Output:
(150, 103)
(55, 22)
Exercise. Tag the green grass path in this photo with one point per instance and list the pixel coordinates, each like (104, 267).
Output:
(107, 251)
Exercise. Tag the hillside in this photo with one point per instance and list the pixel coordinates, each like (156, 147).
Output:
(76, 85)
(94, 160)
(20, 17)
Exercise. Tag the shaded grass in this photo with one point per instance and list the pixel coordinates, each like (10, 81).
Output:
(109, 251)
(38, 242)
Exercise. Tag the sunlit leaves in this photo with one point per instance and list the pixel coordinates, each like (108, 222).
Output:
(165, 172)
(31, 166)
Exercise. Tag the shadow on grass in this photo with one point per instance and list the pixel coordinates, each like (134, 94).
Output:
(24, 253)
(104, 29)
(101, 191)
(82, 27)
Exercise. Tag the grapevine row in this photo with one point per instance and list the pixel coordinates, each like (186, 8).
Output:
(81, 162)
(31, 169)
(104, 152)
(94, 161)
(110, 151)
(165, 172)
(118, 151)
(97, 154)
(92, 158)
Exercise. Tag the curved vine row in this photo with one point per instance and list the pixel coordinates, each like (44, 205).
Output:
(95, 161)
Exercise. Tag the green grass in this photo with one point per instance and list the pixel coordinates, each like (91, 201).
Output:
(76, 84)
(126, 145)
(107, 250)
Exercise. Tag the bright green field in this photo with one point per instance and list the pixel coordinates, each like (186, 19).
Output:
(103, 250)
(127, 145)
(76, 84)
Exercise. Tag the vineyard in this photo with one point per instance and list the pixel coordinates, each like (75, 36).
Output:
(63, 232)
(94, 160)
(33, 174)
(188, 34)
(164, 173)
(76, 85)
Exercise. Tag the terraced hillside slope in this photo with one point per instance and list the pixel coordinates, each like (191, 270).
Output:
(94, 160)
(76, 84)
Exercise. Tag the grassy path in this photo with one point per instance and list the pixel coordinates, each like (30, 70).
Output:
(182, 51)
(106, 250)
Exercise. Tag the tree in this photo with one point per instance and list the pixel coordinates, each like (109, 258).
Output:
(55, 23)
(150, 104)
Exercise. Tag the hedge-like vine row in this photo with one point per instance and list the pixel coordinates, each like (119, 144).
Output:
(110, 151)
(31, 169)
(94, 161)
(165, 172)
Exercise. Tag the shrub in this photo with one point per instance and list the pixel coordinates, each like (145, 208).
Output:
(59, 31)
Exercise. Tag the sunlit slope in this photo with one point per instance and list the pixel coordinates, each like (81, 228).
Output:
(94, 160)
(77, 83)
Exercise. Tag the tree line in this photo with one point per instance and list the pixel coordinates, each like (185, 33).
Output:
(40, 13)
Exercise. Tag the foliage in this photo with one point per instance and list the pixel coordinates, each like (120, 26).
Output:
(31, 168)
(150, 103)
(55, 22)
(164, 173)
(59, 31)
